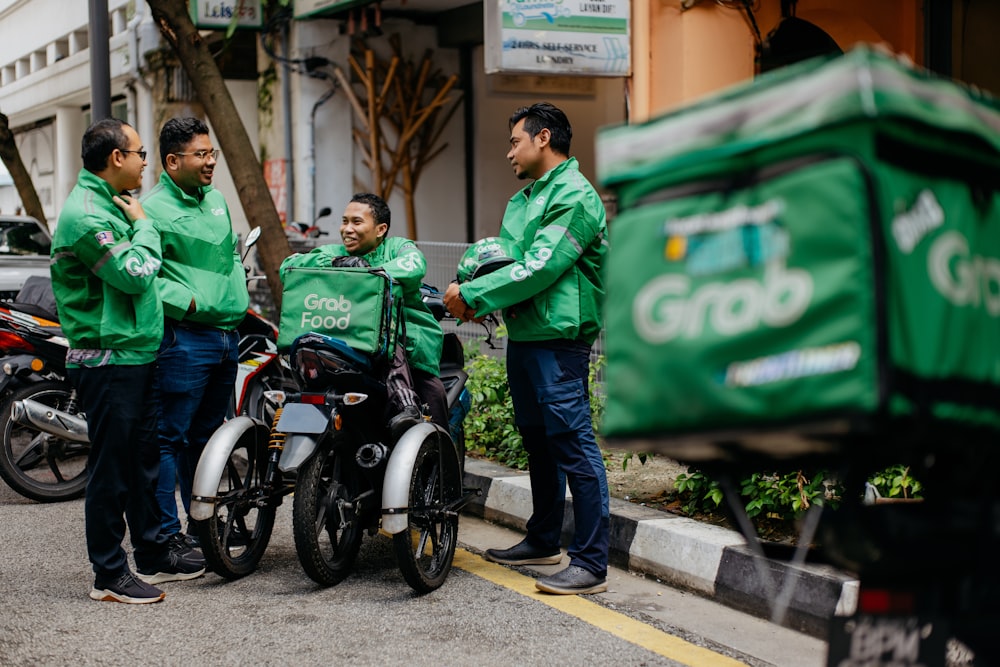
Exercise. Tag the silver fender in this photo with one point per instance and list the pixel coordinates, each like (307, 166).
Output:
(212, 463)
(396, 485)
(298, 448)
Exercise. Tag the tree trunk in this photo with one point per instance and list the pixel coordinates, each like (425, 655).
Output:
(175, 24)
(22, 179)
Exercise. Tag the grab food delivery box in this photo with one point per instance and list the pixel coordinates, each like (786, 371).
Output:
(354, 304)
(809, 256)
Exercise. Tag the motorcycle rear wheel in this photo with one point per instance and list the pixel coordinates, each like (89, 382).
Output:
(325, 519)
(233, 540)
(426, 548)
(38, 465)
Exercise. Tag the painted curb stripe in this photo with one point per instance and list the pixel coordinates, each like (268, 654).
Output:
(615, 623)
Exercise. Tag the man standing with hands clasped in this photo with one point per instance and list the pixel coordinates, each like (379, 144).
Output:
(203, 287)
(552, 304)
(105, 258)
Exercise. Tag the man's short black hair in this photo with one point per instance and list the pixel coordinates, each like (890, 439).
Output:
(100, 140)
(380, 210)
(543, 115)
(178, 133)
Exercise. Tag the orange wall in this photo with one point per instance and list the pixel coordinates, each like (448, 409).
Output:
(681, 54)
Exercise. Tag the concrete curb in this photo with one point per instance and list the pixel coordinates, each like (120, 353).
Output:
(711, 561)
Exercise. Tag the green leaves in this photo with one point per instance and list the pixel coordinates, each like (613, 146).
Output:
(786, 497)
(489, 426)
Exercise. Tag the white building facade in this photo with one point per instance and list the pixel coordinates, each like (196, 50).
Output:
(302, 126)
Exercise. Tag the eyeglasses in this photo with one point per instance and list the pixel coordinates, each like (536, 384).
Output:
(141, 154)
(204, 155)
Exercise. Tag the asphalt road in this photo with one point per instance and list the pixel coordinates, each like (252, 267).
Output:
(485, 614)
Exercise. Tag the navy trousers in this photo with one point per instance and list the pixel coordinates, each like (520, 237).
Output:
(550, 391)
(123, 466)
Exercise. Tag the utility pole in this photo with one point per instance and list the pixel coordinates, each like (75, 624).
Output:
(100, 61)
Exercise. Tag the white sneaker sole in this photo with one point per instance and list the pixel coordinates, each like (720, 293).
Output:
(542, 560)
(164, 577)
(557, 590)
(105, 595)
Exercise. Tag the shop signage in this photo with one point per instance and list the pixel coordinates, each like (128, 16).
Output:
(220, 14)
(307, 8)
(589, 37)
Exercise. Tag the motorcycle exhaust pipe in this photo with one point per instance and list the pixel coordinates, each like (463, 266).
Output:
(371, 455)
(60, 424)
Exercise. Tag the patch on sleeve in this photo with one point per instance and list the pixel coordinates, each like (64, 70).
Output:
(105, 238)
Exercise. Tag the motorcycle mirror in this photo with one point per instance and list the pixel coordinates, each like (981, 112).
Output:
(252, 237)
(323, 212)
(250, 240)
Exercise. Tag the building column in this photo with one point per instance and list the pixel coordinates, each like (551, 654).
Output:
(69, 131)
(680, 55)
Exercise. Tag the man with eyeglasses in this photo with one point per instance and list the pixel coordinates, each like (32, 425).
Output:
(203, 287)
(105, 258)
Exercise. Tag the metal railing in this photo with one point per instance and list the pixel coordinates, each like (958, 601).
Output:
(442, 263)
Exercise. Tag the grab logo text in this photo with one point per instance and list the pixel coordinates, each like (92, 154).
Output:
(963, 278)
(325, 313)
(666, 308)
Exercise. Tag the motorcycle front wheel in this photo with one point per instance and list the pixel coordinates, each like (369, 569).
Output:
(233, 540)
(325, 516)
(36, 464)
(426, 549)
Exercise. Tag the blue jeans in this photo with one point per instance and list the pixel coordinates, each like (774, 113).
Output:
(122, 466)
(195, 373)
(550, 390)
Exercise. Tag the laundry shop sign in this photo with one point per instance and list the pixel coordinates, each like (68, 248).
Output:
(220, 14)
(585, 37)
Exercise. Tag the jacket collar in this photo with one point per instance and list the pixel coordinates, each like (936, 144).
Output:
(92, 181)
(175, 189)
(569, 163)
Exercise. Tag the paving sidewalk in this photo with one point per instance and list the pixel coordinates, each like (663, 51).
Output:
(711, 561)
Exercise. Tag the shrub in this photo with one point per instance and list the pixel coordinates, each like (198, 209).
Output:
(489, 427)
(786, 497)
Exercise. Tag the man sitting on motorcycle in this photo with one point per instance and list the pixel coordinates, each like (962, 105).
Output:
(364, 230)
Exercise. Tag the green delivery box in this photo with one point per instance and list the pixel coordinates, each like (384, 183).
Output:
(808, 257)
(357, 305)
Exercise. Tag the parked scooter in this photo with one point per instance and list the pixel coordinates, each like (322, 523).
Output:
(296, 230)
(45, 443)
(329, 445)
(43, 453)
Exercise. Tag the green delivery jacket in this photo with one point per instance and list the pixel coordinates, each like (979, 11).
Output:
(405, 264)
(200, 256)
(557, 289)
(103, 273)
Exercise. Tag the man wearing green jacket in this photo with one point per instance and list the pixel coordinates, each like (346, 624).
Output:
(203, 287)
(364, 229)
(552, 305)
(105, 258)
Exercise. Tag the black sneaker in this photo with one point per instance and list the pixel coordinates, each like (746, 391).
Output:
(126, 588)
(175, 567)
(523, 553)
(574, 580)
(191, 537)
(180, 544)
(409, 417)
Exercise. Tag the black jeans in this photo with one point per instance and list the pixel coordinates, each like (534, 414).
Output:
(123, 466)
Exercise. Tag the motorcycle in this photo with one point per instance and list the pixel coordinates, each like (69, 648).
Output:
(43, 455)
(329, 445)
(45, 442)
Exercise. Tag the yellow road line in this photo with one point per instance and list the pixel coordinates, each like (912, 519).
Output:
(618, 624)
